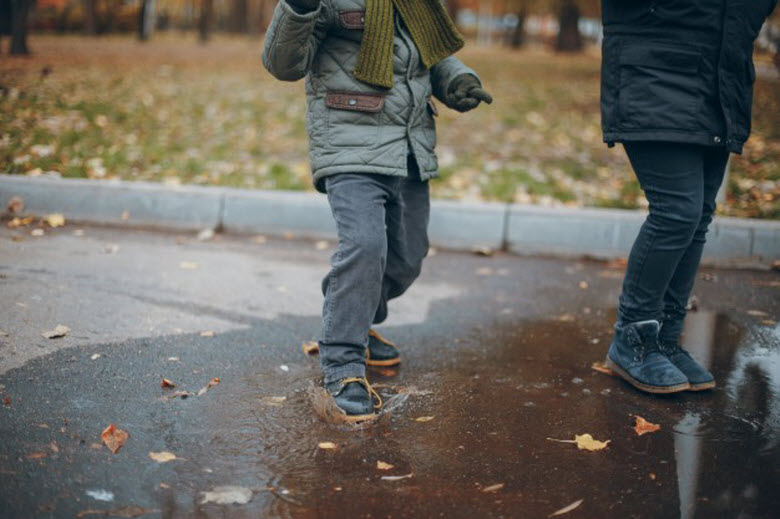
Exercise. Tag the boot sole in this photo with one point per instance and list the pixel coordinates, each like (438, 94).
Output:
(702, 387)
(355, 418)
(645, 387)
(384, 363)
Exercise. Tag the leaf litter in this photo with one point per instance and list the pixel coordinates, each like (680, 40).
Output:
(114, 438)
(642, 426)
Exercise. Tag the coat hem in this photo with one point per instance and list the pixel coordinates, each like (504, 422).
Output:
(322, 173)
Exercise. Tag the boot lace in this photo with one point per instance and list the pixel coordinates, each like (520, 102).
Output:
(371, 392)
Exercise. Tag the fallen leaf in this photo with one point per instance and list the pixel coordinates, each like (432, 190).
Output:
(583, 285)
(493, 488)
(188, 265)
(424, 418)
(483, 251)
(167, 384)
(95, 356)
(114, 438)
(54, 447)
(585, 441)
(100, 494)
(208, 333)
(260, 239)
(213, 382)
(397, 478)
(15, 205)
(205, 234)
(484, 271)
(3, 333)
(327, 445)
(37, 232)
(227, 495)
(768, 322)
(36, 455)
(566, 509)
(125, 511)
(757, 313)
(288, 236)
(321, 245)
(284, 367)
(7, 401)
(601, 367)
(20, 222)
(59, 331)
(273, 400)
(311, 347)
(642, 426)
(125, 215)
(54, 220)
(381, 465)
(162, 457)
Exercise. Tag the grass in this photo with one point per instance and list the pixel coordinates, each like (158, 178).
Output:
(172, 110)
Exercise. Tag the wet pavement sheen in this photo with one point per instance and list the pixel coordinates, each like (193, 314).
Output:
(497, 389)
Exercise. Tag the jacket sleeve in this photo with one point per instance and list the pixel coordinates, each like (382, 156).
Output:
(442, 74)
(292, 40)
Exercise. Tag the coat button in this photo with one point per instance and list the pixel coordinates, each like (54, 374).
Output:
(352, 102)
(716, 139)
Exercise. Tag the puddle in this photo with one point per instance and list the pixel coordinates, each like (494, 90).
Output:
(488, 404)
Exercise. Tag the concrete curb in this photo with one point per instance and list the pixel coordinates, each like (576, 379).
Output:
(599, 233)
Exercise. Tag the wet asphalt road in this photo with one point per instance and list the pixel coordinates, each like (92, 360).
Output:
(497, 350)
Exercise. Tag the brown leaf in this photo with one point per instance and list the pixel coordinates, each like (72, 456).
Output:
(15, 205)
(642, 426)
(59, 331)
(166, 384)
(36, 455)
(601, 367)
(213, 382)
(311, 347)
(583, 285)
(566, 509)
(381, 465)
(7, 401)
(114, 438)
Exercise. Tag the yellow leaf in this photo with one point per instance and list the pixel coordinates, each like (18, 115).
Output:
(381, 465)
(311, 347)
(493, 488)
(424, 418)
(162, 457)
(585, 441)
(327, 445)
(55, 220)
(601, 367)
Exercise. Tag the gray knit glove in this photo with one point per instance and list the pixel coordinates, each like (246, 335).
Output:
(466, 92)
(303, 6)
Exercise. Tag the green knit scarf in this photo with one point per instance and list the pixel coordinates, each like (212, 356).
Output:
(431, 28)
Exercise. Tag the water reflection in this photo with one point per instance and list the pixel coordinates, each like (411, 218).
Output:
(726, 445)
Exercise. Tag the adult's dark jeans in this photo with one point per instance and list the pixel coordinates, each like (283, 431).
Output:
(680, 182)
(382, 226)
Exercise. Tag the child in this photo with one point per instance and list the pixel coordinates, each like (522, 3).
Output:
(371, 67)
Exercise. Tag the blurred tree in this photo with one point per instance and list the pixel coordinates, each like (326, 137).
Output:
(90, 16)
(18, 11)
(239, 20)
(206, 20)
(146, 19)
(569, 37)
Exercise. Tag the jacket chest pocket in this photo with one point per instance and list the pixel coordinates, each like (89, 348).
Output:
(659, 88)
(352, 20)
(354, 118)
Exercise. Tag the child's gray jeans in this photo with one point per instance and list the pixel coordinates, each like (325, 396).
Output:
(382, 227)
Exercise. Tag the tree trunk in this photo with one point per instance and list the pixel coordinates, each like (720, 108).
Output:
(205, 22)
(90, 16)
(517, 39)
(20, 11)
(239, 19)
(569, 38)
(146, 18)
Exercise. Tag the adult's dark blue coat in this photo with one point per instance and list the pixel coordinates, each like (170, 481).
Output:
(679, 70)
